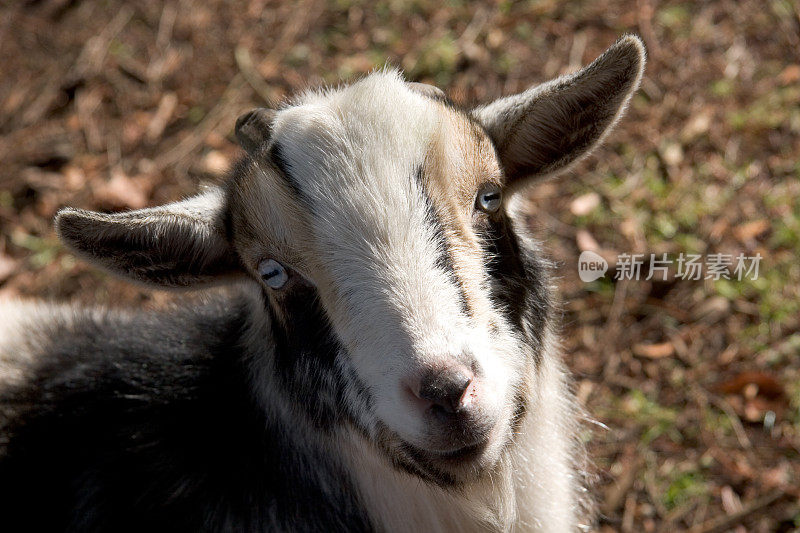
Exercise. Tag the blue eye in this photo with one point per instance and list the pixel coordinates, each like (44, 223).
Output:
(490, 197)
(273, 273)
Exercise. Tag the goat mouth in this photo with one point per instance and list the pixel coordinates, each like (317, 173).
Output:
(448, 468)
(464, 454)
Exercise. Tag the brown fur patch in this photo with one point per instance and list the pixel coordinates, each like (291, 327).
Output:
(260, 203)
(461, 159)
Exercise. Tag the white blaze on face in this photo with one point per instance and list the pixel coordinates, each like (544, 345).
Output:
(353, 157)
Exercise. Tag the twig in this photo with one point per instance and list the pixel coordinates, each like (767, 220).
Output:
(645, 16)
(466, 41)
(613, 326)
(576, 51)
(668, 523)
(558, 227)
(628, 513)
(90, 60)
(736, 423)
(653, 492)
(725, 521)
(94, 52)
(87, 102)
(211, 121)
(291, 30)
(155, 68)
(157, 124)
(165, 25)
(617, 491)
(302, 15)
(253, 78)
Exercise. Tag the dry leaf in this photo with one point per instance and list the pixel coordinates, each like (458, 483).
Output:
(698, 125)
(751, 230)
(7, 266)
(584, 204)
(711, 309)
(719, 228)
(752, 412)
(672, 153)
(585, 241)
(789, 75)
(730, 500)
(780, 476)
(654, 351)
(215, 162)
(158, 122)
(121, 191)
(768, 385)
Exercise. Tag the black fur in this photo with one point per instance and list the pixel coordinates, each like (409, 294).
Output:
(520, 280)
(155, 427)
(285, 171)
(310, 361)
(444, 260)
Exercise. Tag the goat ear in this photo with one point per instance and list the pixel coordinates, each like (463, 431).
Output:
(175, 245)
(254, 128)
(549, 127)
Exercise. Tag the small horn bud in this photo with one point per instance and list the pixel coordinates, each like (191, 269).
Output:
(426, 90)
(254, 128)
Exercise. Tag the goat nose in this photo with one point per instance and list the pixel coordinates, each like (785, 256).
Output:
(446, 388)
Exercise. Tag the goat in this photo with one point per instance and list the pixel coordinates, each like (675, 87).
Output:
(382, 355)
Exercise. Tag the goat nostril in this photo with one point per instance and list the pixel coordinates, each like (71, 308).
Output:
(447, 390)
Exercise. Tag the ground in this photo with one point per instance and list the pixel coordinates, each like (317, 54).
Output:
(694, 384)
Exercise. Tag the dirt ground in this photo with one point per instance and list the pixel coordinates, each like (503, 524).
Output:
(694, 384)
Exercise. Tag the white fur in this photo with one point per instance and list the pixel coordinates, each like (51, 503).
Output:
(357, 157)
(23, 331)
(376, 259)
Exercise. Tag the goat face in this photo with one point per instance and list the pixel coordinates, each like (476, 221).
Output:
(388, 212)
(379, 213)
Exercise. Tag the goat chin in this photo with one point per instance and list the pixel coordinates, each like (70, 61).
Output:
(536, 483)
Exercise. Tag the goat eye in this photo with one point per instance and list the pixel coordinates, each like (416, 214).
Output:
(273, 273)
(489, 198)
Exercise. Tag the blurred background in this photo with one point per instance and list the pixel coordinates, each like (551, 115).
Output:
(696, 384)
